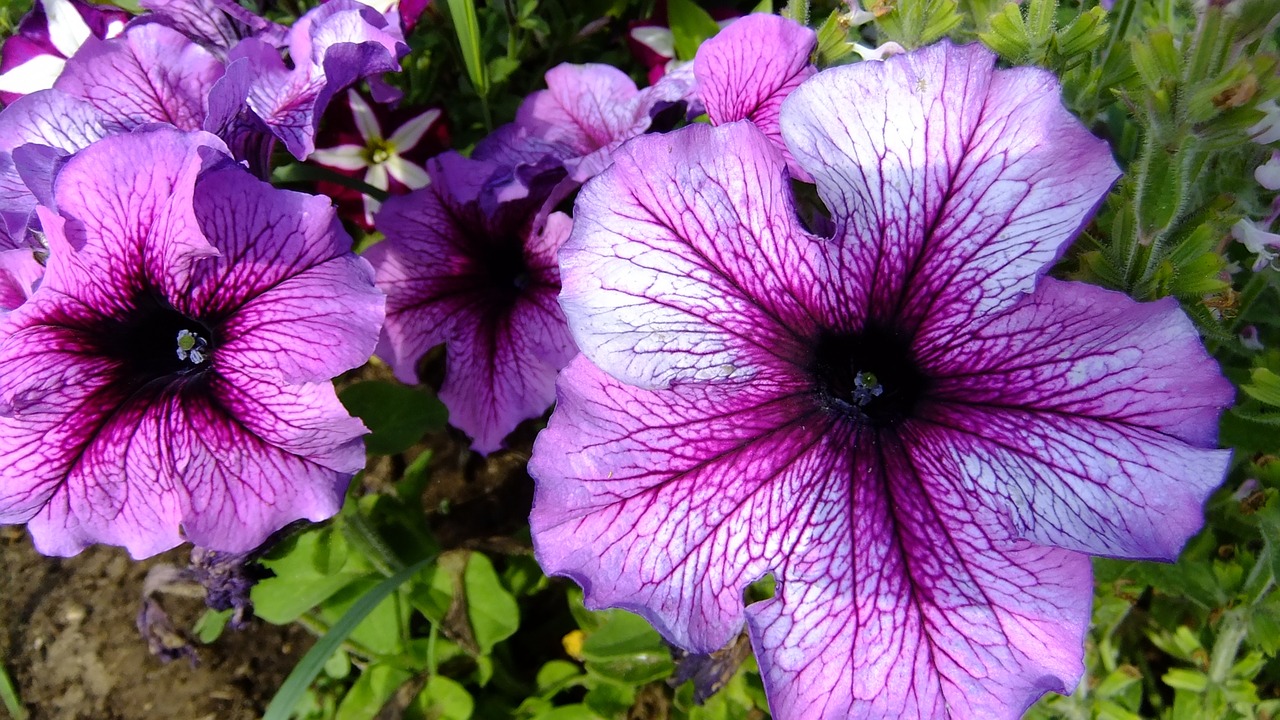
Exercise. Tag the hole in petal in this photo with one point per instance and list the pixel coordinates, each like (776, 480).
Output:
(762, 589)
(870, 376)
(811, 211)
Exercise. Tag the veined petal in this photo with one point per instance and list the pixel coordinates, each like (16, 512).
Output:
(691, 264)
(904, 603)
(149, 74)
(54, 119)
(750, 67)
(954, 185)
(585, 107)
(342, 157)
(669, 502)
(299, 305)
(502, 366)
(106, 241)
(1085, 418)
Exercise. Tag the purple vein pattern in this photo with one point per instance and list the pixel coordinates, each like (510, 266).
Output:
(169, 379)
(479, 277)
(912, 429)
(750, 67)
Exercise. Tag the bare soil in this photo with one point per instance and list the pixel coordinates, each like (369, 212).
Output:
(69, 640)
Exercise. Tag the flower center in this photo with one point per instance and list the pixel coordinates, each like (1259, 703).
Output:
(378, 152)
(156, 341)
(508, 271)
(870, 377)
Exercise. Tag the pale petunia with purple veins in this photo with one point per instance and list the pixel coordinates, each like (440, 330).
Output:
(480, 278)
(750, 67)
(169, 378)
(917, 433)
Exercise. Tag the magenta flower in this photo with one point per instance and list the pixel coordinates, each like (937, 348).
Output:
(53, 31)
(750, 67)
(168, 380)
(484, 284)
(913, 430)
(589, 110)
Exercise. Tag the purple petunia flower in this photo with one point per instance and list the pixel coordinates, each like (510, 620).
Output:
(750, 67)
(53, 31)
(913, 430)
(484, 284)
(168, 380)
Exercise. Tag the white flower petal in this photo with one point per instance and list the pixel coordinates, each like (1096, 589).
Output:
(38, 73)
(342, 157)
(408, 135)
(67, 29)
(406, 172)
(366, 121)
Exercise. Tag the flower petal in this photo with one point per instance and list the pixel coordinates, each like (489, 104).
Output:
(747, 70)
(407, 136)
(502, 367)
(67, 29)
(954, 185)
(1086, 419)
(904, 604)
(691, 264)
(116, 242)
(342, 157)
(366, 122)
(38, 73)
(669, 502)
(149, 74)
(299, 305)
(410, 175)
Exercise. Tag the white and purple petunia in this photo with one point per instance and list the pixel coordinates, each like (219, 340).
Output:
(33, 58)
(918, 434)
(750, 67)
(169, 378)
(480, 278)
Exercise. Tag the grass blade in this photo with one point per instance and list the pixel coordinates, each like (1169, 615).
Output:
(9, 694)
(306, 671)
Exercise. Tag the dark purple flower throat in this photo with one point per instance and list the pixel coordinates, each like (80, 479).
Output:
(869, 377)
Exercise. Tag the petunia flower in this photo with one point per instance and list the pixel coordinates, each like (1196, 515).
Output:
(484, 284)
(331, 47)
(918, 434)
(380, 160)
(750, 67)
(53, 31)
(589, 110)
(169, 378)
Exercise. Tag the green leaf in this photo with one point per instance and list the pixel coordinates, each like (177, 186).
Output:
(627, 649)
(397, 415)
(307, 173)
(371, 691)
(568, 712)
(445, 699)
(307, 574)
(9, 694)
(467, 27)
(554, 673)
(211, 624)
(492, 610)
(338, 666)
(690, 25)
(1265, 386)
(302, 675)
(1184, 679)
